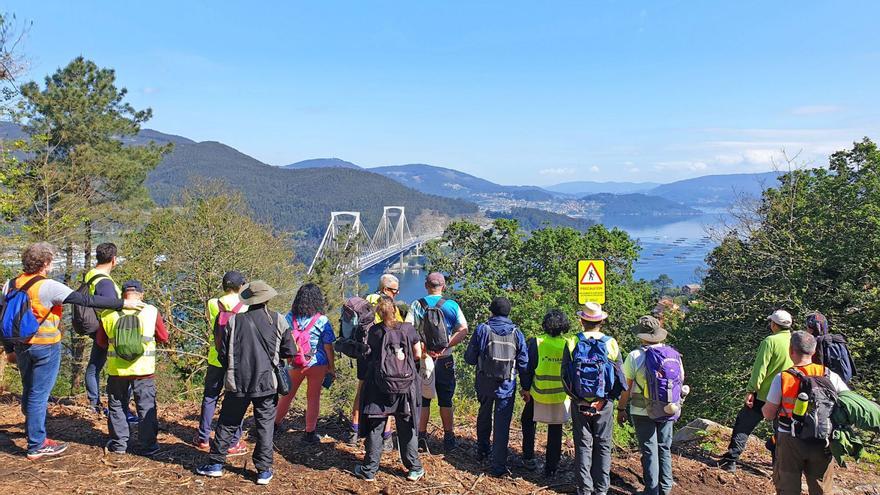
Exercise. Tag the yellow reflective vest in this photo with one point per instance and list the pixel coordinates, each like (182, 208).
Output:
(229, 302)
(547, 387)
(144, 365)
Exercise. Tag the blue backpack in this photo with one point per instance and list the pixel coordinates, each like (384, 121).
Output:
(836, 356)
(591, 374)
(17, 321)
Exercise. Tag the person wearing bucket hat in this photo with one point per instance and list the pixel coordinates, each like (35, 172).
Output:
(772, 358)
(654, 435)
(253, 344)
(593, 410)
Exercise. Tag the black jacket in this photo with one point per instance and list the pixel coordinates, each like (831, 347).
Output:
(250, 370)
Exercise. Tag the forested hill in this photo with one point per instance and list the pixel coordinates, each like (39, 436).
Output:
(454, 184)
(292, 200)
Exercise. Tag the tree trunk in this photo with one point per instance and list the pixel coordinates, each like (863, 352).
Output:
(79, 343)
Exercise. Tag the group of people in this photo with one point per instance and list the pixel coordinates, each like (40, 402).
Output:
(260, 358)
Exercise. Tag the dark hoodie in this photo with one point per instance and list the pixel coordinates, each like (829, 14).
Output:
(490, 387)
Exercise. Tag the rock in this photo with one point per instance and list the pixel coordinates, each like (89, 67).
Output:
(698, 429)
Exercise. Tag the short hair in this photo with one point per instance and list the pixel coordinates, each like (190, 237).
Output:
(309, 301)
(386, 280)
(591, 325)
(105, 252)
(556, 323)
(803, 343)
(36, 256)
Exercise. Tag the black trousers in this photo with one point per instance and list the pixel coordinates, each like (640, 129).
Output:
(144, 390)
(231, 414)
(554, 439)
(406, 437)
(746, 421)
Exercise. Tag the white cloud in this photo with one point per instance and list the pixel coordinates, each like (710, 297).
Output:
(815, 109)
(594, 169)
(149, 90)
(680, 165)
(557, 171)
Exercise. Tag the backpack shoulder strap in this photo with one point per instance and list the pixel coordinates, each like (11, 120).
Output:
(440, 303)
(423, 303)
(30, 283)
(796, 373)
(222, 306)
(96, 277)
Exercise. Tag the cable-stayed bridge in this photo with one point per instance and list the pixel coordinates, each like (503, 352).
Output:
(346, 233)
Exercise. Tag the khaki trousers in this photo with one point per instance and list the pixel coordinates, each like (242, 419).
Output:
(796, 458)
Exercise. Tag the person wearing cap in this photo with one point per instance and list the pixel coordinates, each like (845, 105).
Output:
(797, 458)
(253, 344)
(543, 392)
(654, 437)
(232, 284)
(772, 358)
(136, 376)
(496, 342)
(444, 364)
(593, 419)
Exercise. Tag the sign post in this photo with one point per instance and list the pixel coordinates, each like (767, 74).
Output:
(591, 281)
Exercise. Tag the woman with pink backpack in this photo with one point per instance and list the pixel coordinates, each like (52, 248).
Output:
(314, 362)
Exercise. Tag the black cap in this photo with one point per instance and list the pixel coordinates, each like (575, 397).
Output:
(134, 285)
(232, 280)
(500, 306)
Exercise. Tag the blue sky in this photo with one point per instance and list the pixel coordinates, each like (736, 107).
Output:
(516, 92)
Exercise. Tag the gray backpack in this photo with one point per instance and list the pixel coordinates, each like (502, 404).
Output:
(498, 360)
(815, 425)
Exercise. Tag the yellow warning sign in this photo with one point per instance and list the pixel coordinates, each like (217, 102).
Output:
(591, 281)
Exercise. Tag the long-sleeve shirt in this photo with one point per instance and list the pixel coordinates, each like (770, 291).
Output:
(489, 387)
(161, 336)
(772, 358)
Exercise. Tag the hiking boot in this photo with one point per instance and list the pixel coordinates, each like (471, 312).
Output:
(311, 438)
(200, 445)
(108, 450)
(550, 473)
(498, 473)
(150, 451)
(359, 472)
(49, 448)
(415, 474)
(530, 464)
(388, 444)
(264, 477)
(449, 442)
(238, 449)
(353, 439)
(211, 470)
(728, 465)
(423, 445)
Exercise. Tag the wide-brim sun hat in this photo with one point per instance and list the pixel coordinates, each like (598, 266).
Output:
(592, 312)
(257, 292)
(649, 330)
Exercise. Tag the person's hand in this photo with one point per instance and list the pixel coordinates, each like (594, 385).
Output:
(434, 355)
(526, 395)
(622, 417)
(750, 400)
(135, 305)
(10, 358)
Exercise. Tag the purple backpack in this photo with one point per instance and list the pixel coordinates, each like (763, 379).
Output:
(665, 375)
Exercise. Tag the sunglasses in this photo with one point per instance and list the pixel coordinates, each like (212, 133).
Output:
(393, 291)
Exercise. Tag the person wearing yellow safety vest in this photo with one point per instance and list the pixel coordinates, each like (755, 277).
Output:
(229, 302)
(543, 391)
(389, 286)
(39, 357)
(135, 377)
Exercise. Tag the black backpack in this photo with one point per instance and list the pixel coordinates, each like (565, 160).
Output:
(498, 359)
(85, 319)
(395, 370)
(815, 425)
(432, 328)
(835, 356)
(357, 316)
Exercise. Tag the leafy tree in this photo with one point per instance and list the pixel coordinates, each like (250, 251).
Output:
(181, 255)
(814, 244)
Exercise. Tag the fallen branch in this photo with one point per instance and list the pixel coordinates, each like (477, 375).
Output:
(479, 478)
(431, 488)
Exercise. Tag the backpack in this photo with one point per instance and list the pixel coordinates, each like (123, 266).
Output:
(432, 328)
(357, 315)
(815, 425)
(302, 337)
(498, 359)
(836, 356)
(85, 319)
(17, 320)
(223, 316)
(128, 341)
(590, 373)
(665, 376)
(395, 370)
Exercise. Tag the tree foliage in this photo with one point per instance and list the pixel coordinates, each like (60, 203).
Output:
(814, 245)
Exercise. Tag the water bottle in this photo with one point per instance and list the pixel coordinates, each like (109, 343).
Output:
(800, 405)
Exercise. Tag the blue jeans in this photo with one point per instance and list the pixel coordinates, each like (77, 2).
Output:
(502, 410)
(214, 378)
(97, 360)
(655, 444)
(38, 365)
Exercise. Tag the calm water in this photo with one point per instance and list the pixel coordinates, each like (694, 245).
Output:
(677, 248)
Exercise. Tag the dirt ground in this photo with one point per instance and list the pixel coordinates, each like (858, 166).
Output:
(326, 468)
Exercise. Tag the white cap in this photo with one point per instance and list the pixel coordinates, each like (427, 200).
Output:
(781, 317)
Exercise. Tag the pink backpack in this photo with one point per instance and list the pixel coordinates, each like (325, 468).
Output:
(302, 337)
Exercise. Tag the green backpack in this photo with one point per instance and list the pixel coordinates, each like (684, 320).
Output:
(129, 340)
